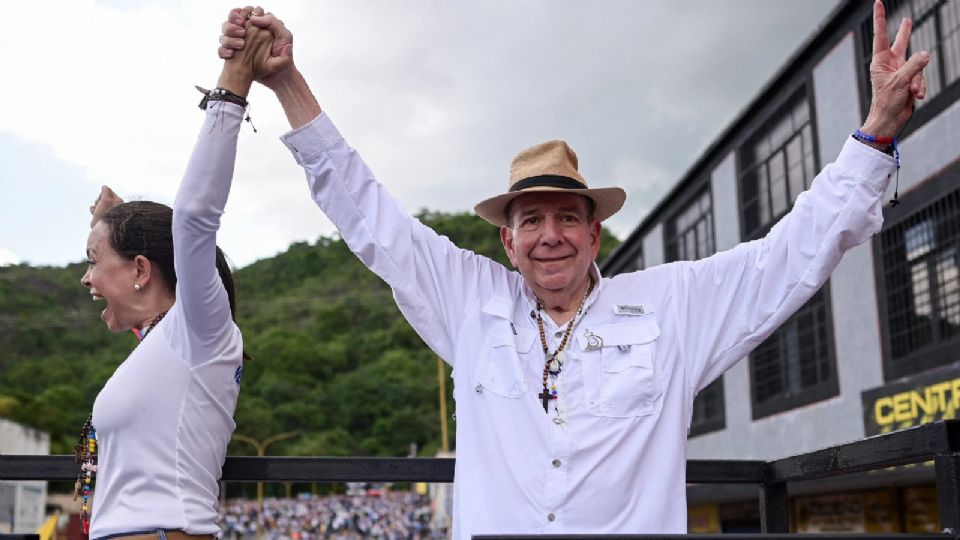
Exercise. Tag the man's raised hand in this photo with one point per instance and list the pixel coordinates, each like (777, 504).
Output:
(896, 81)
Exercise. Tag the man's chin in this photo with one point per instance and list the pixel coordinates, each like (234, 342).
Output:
(556, 284)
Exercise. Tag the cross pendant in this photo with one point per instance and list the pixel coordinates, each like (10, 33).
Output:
(545, 397)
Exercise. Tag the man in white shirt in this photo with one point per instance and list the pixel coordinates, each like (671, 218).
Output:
(574, 391)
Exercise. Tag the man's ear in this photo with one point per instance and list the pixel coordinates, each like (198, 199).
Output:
(506, 238)
(595, 237)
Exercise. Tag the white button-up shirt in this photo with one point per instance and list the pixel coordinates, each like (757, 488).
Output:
(610, 456)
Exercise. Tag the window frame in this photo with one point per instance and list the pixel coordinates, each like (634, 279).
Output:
(825, 389)
(917, 200)
(695, 193)
(830, 386)
(803, 86)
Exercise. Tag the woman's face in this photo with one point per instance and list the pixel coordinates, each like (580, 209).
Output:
(110, 277)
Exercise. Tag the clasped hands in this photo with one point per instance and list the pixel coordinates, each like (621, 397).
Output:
(257, 45)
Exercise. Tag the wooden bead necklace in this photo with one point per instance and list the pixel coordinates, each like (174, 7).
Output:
(553, 363)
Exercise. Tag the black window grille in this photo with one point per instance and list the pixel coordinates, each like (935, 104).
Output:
(689, 236)
(690, 232)
(775, 164)
(795, 366)
(936, 28)
(921, 286)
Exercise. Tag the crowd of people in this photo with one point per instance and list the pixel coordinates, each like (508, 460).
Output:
(390, 515)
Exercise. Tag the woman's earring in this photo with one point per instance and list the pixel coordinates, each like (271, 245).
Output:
(136, 286)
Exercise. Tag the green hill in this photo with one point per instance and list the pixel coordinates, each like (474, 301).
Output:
(333, 357)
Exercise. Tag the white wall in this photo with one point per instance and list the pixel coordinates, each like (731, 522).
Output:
(653, 247)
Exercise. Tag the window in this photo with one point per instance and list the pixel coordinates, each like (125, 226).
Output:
(795, 366)
(920, 279)
(776, 163)
(627, 258)
(936, 28)
(689, 236)
(690, 232)
(638, 260)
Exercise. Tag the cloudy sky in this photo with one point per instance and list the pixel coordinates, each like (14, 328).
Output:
(438, 96)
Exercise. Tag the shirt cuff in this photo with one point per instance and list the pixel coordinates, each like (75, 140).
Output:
(312, 138)
(224, 113)
(867, 164)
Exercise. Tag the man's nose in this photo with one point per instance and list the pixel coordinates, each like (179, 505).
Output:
(551, 230)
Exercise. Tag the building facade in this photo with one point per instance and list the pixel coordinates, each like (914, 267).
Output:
(878, 347)
(22, 504)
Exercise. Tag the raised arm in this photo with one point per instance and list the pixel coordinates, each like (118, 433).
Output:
(433, 280)
(736, 299)
(204, 315)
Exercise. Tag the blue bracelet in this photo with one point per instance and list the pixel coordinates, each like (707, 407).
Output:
(892, 141)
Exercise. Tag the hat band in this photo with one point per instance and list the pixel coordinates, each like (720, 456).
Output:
(547, 180)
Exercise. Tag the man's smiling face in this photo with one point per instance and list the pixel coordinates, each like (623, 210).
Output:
(552, 239)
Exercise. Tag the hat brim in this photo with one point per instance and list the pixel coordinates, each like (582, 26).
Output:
(606, 202)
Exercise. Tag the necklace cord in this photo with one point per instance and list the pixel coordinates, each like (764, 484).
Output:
(553, 362)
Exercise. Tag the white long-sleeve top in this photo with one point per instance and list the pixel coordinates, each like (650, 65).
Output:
(164, 418)
(616, 464)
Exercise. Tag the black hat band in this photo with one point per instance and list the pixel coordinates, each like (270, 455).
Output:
(548, 180)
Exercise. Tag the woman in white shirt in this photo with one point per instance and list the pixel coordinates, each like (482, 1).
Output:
(161, 424)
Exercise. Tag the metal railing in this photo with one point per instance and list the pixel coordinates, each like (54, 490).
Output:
(938, 442)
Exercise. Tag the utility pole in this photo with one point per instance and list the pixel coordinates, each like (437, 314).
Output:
(261, 447)
(441, 378)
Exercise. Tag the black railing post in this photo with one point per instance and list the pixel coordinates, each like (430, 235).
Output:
(774, 508)
(948, 491)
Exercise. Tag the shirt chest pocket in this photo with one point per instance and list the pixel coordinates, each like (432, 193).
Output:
(500, 368)
(620, 375)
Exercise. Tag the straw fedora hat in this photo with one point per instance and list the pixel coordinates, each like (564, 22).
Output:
(549, 166)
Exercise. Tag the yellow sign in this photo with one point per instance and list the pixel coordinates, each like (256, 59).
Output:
(935, 401)
(926, 398)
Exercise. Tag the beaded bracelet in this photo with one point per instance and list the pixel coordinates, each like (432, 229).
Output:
(219, 94)
(892, 141)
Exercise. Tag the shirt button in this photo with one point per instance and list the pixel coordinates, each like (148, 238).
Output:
(551, 517)
(556, 462)
(559, 333)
